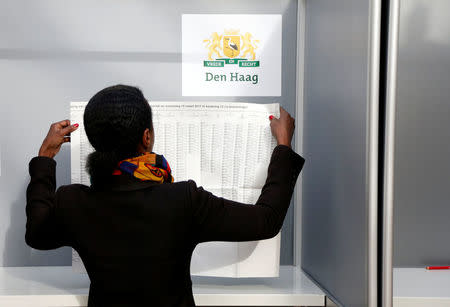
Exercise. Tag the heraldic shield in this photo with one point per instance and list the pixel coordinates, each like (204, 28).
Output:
(231, 45)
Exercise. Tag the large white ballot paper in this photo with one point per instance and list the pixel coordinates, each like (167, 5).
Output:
(224, 147)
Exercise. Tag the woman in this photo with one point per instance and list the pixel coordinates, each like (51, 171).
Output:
(134, 229)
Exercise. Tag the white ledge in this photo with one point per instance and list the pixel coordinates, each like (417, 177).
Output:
(414, 287)
(61, 286)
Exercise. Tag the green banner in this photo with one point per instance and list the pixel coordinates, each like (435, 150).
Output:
(213, 63)
(222, 62)
(232, 61)
(249, 64)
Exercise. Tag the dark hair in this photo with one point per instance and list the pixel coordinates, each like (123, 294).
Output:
(114, 119)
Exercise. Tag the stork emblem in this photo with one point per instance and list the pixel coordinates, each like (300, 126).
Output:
(231, 45)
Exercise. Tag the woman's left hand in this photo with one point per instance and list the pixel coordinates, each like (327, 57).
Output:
(58, 134)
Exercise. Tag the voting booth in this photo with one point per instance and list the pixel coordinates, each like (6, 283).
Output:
(344, 224)
(416, 169)
(67, 51)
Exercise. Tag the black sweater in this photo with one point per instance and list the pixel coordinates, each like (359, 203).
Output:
(136, 238)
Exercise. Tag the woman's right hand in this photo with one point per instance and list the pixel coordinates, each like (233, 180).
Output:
(283, 127)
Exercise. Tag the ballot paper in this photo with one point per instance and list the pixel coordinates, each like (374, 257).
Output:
(224, 147)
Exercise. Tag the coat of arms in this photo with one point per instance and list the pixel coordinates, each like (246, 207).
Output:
(231, 47)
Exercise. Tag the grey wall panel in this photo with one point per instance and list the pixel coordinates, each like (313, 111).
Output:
(53, 52)
(422, 141)
(335, 212)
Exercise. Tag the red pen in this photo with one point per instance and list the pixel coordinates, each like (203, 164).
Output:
(438, 267)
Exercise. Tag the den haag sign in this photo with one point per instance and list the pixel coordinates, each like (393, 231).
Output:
(231, 55)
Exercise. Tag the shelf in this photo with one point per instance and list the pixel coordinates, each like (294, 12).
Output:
(414, 287)
(61, 286)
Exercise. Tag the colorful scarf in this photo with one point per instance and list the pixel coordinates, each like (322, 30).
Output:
(148, 166)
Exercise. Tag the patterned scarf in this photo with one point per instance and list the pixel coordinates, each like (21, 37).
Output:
(148, 166)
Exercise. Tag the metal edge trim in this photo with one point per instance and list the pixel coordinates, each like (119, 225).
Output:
(299, 126)
(373, 81)
(389, 140)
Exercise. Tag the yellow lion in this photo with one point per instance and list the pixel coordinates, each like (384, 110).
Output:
(212, 45)
(249, 45)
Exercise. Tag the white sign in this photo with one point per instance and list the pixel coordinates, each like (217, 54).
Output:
(231, 55)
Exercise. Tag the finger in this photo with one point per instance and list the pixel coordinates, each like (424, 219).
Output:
(283, 112)
(273, 119)
(66, 139)
(69, 129)
(63, 123)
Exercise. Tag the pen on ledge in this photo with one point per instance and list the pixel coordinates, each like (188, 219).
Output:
(438, 267)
